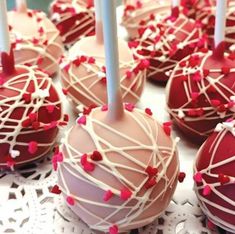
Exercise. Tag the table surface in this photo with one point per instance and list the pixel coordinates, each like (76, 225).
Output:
(28, 207)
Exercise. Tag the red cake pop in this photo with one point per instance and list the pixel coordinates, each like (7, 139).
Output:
(30, 107)
(139, 13)
(197, 9)
(35, 38)
(118, 167)
(215, 176)
(205, 10)
(75, 19)
(167, 42)
(200, 93)
(201, 89)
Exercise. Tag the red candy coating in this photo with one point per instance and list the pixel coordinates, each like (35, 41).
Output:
(197, 106)
(216, 162)
(23, 137)
(166, 43)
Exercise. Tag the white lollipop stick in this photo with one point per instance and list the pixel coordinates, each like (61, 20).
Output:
(98, 19)
(175, 3)
(115, 105)
(21, 5)
(220, 21)
(5, 44)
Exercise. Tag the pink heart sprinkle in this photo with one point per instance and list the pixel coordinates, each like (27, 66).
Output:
(104, 108)
(125, 194)
(82, 120)
(33, 147)
(148, 111)
(89, 167)
(129, 107)
(206, 190)
(84, 159)
(113, 229)
(60, 157)
(198, 177)
(70, 200)
(108, 195)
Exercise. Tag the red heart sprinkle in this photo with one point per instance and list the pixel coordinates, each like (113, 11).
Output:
(96, 156)
(56, 189)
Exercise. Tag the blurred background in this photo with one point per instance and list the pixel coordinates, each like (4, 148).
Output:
(36, 4)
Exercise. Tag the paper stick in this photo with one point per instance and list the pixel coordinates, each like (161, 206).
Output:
(115, 105)
(98, 19)
(220, 21)
(21, 5)
(175, 3)
(4, 30)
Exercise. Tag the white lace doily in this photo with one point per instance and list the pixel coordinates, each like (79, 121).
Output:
(28, 207)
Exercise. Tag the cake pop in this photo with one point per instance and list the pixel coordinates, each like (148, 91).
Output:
(167, 42)
(139, 13)
(201, 90)
(205, 12)
(118, 168)
(75, 19)
(83, 72)
(36, 40)
(197, 9)
(214, 176)
(30, 108)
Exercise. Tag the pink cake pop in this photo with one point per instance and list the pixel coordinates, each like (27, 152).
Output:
(118, 168)
(83, 72)
(139, 13)
(36, 40)
(30, 108)
(74, 18)
(214, 176)
(167, 42)
(201, 91)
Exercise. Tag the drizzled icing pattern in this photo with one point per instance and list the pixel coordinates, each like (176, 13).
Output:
(74, 18)
(205, 12)
(197, 8)
(218, 184)
(42, 49)
(128, 203)
(140, 13)
(84, 79)
(205, 96)
(165, 43)
(30, 114)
